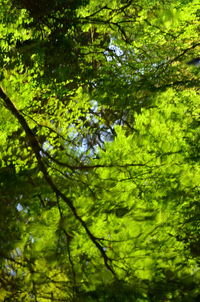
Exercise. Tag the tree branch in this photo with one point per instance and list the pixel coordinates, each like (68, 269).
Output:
(34, 144)
(88, 167)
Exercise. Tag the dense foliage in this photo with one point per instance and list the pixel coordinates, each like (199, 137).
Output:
(99, 150)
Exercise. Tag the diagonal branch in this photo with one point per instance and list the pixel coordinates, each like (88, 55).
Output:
(34, 144)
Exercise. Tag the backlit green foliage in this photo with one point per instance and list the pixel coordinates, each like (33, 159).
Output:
(99, 151)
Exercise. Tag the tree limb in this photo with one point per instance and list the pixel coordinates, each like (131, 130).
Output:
(34, 144)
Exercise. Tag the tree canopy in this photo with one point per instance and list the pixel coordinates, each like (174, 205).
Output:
(99, 150)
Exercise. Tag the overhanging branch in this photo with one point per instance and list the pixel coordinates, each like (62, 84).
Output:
(34, 144)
